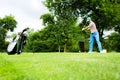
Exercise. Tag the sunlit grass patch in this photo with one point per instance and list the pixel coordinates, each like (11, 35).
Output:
(60, 66)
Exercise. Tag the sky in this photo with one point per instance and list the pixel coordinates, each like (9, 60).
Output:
(26, 12)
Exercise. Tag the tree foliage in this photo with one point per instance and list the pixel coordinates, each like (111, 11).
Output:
(63, 21)
(105, 13)
(112, 42)
(41, 41)
(53, 36)
(8, 23)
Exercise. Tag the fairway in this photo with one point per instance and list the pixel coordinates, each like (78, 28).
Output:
(60, 66)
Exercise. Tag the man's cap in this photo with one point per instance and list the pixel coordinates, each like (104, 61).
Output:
(88, 19)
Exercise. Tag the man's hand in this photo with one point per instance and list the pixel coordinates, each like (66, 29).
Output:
(83, 29)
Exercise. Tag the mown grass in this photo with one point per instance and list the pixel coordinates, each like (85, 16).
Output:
(60, 66)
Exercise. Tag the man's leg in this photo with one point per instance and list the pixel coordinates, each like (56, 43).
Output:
(98, 41)
(91, 42)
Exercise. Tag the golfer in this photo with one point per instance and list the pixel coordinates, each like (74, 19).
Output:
(94, 35)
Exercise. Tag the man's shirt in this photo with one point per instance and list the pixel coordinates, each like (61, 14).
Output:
(92, 27)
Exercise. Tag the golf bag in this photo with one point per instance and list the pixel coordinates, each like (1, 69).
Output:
(18, 43)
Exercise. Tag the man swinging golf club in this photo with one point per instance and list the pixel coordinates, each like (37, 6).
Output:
(94, 35)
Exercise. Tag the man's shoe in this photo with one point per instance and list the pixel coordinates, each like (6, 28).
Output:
(89, 52)
(102, 52)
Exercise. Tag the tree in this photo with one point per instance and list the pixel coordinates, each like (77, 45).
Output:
(41, 41)
(8, 23)
(63, 21)
(104, 12)
(51, 39)
(112, 42)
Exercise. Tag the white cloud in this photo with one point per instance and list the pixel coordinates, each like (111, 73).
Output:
(26, 12)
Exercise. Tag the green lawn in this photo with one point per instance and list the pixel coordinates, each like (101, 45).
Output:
(60, 66)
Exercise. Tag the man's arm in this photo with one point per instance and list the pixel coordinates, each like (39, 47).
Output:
(86, 28)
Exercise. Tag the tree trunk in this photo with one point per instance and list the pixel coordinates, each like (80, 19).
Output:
(59, 48)
(65, 47)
